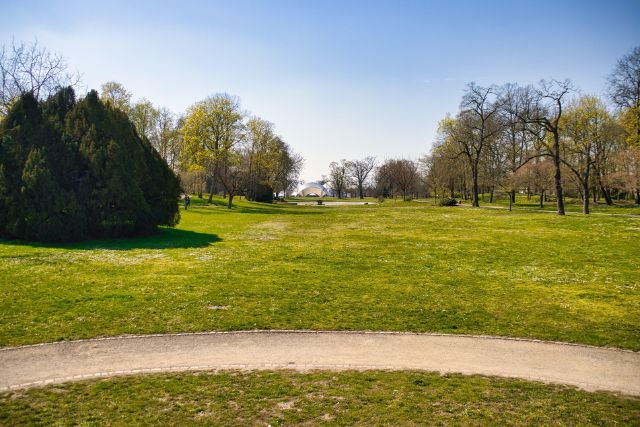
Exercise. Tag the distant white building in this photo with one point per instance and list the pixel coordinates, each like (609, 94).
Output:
(313, 189)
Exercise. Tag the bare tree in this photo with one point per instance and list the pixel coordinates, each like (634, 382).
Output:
(398, 174)
(476, 126)
(339, 176)
(624, 89)
(31, 68)
(165, 137)
(541, 113)
(360, 170)
(515, 142)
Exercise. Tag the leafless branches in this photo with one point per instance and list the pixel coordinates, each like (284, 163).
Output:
(31, 68)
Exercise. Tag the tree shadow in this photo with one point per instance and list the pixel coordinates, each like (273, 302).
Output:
(165, 238)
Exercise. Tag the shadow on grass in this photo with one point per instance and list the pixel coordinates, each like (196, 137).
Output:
(165, 238)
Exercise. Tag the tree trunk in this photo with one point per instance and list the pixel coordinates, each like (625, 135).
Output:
(230, 201)
(637, 196)
(491, 195)
(361, 190)
(586, 188)
(542, 199)
(606, 193)
(513, 196)
(474, 178)
(585, 199)
(211, 190)
(558, 175)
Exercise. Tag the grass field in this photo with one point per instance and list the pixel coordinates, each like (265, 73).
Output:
(395, 266)
(619, 207)
(286, 398)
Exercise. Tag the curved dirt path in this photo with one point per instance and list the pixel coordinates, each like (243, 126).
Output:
(589, 368)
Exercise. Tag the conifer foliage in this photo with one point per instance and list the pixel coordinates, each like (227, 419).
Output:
(76, 170)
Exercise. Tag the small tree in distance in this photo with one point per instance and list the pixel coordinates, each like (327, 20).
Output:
(339, 178)
(360, 170)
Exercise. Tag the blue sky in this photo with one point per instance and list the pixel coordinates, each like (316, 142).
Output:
(340, 79)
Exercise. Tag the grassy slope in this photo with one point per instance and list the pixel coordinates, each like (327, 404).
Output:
(407, 266)
(348, 398)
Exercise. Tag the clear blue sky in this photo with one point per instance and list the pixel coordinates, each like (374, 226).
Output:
(340, 79)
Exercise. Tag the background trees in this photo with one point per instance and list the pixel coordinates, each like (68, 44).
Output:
(474, 128)
(397, 176)
(500, 139)
(237, 154)
(339, 178)
(360, 170)
(159, 125)
(117, 95)
(525, 124)
(211, 129)
(588, 130)
(624, 92)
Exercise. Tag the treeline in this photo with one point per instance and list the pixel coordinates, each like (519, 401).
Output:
(367, 177)
(215, 147)
(546, 139)
(226, 151)
(74, 170)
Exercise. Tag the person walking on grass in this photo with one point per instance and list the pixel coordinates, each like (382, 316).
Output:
(187, 201)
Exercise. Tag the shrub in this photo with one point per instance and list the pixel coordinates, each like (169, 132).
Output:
(448, 202)
(261, 193)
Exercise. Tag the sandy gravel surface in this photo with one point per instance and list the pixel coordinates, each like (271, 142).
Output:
(589, 368)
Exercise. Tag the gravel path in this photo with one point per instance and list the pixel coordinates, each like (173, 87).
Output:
(589, 368)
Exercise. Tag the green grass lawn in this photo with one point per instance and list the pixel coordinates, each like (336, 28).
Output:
(572, 205)
(394, 266)
(286, 398)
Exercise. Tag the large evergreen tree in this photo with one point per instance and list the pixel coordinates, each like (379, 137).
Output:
(74, 170)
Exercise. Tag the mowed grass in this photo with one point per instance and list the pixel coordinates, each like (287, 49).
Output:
(572, 205)
(317, 398)
(394, 267)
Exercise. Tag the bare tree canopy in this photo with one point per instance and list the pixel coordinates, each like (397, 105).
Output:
(542, 114)
(624, 81)
(360, 170)
(477, 126)
(398, 175)
(339, 176)
(31, 68)
(624, 91)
